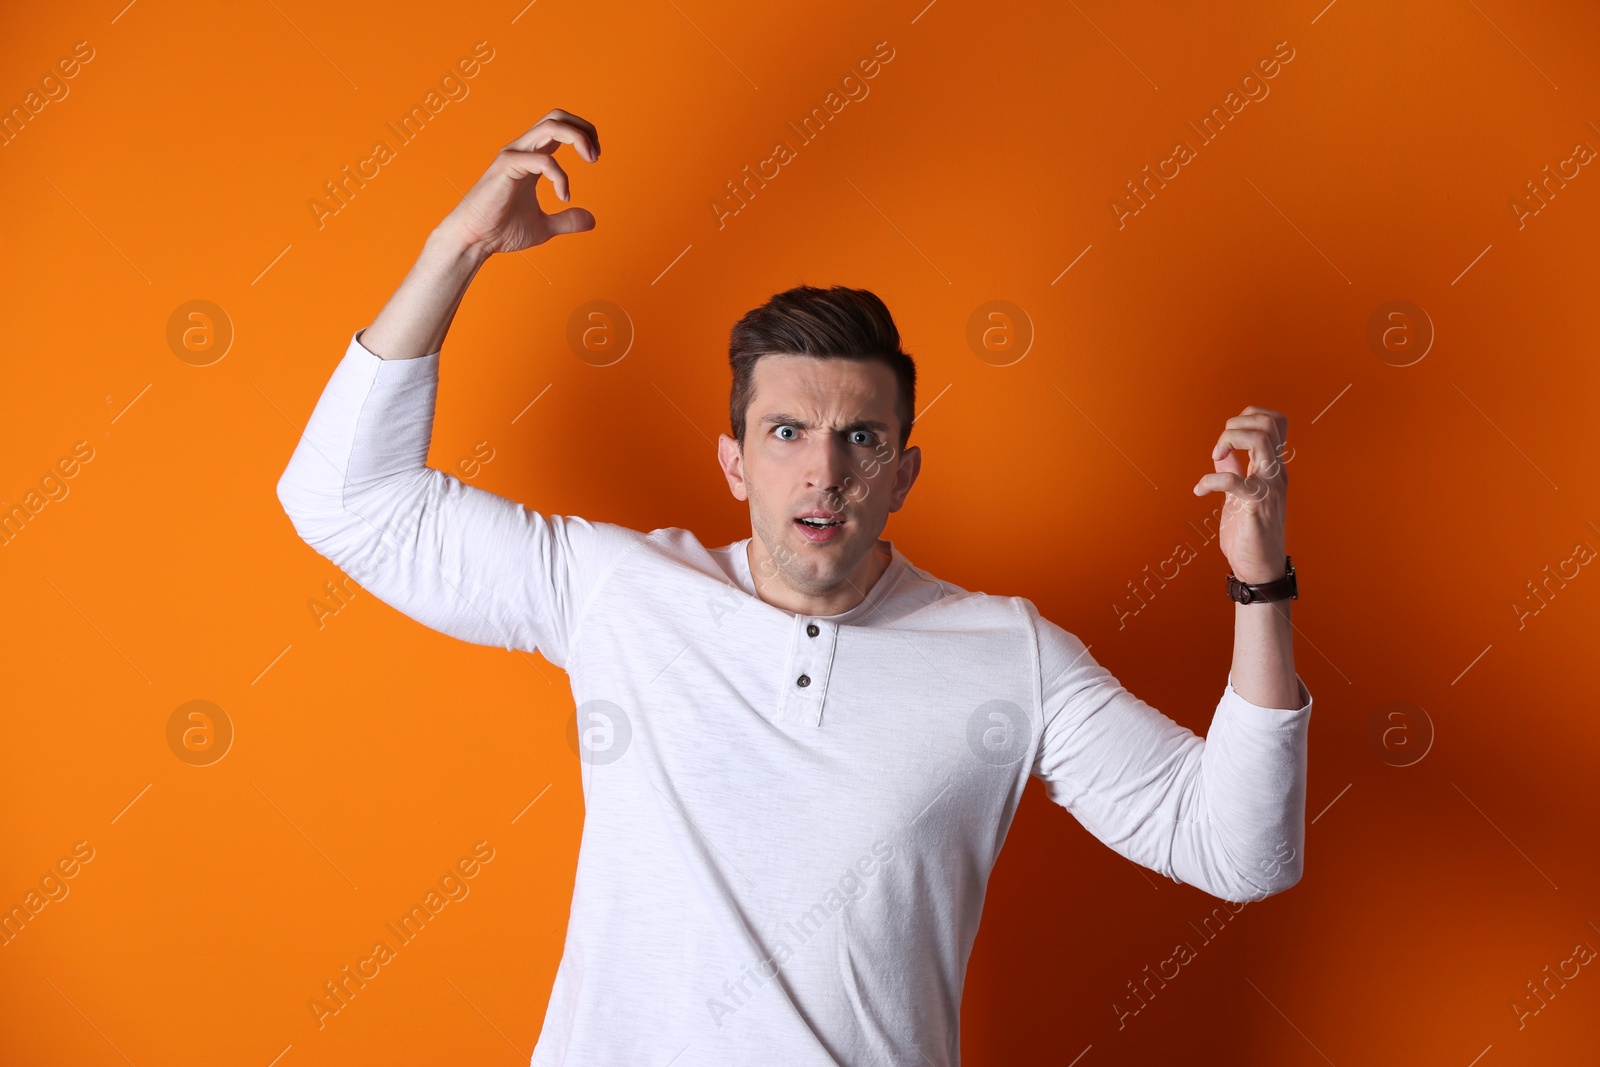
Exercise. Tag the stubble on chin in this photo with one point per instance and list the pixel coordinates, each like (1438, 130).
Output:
(812, 574)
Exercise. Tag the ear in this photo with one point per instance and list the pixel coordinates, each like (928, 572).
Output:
(905, 474)
(731, 459)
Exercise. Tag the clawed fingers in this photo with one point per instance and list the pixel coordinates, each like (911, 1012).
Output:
(1259, 432)
(521, 162)
(557, 128)
(581, 123)
(1254, 443)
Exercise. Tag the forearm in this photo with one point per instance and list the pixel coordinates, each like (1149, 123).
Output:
(415, 320)
(1263, 655)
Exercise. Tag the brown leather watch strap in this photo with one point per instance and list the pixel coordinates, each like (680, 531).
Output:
(1285, 588)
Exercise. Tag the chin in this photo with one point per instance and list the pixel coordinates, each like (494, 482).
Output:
(827, 563)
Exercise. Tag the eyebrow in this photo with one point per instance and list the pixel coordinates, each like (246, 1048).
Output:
(780, 419)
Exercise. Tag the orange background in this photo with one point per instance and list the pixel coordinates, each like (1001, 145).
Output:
(371, 753)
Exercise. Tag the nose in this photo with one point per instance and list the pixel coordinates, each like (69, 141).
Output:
(828, 467)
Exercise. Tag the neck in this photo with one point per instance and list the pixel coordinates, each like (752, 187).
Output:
(773, 589)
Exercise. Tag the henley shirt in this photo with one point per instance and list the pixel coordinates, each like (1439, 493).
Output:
(790, 820)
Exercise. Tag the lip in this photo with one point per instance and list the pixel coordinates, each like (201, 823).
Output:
(818, 537)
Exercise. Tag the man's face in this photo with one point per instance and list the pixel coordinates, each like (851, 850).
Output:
(821, 435)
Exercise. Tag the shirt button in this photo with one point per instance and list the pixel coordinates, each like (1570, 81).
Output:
(803, 680)
(811, 630)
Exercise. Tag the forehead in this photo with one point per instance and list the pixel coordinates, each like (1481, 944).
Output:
(835, 386)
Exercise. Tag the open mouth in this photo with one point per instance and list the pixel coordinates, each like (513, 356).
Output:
(819, 528)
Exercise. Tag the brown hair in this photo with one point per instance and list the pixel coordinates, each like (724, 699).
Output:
(836, 323)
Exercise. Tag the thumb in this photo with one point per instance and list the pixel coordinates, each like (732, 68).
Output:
(1221, 482)
(572, 220)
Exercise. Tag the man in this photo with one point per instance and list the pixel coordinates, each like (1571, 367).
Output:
(800, 752)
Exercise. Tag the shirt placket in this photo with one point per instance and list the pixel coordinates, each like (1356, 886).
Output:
(803, 689)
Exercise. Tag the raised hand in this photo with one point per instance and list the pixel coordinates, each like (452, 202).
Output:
(501, 213)
(1251, 534)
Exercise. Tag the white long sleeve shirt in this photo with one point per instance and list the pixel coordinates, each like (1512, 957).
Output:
(790, 820)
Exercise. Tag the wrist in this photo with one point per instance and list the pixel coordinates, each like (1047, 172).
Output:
(1256, 586)
(415, 320)
(1260, 575)
(452, 245)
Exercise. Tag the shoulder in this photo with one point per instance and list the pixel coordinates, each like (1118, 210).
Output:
(593, 543)
(1058, 648)
(971, 608)
(673, 548)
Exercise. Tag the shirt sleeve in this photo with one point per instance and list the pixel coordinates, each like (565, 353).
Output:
(462, 560)
(1224, 812)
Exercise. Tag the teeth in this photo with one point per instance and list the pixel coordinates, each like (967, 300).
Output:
(819, 523)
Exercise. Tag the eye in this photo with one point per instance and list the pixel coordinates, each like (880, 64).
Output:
(779, 431)
(868, 434)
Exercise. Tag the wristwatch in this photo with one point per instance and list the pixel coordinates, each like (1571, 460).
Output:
(1284, 588)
